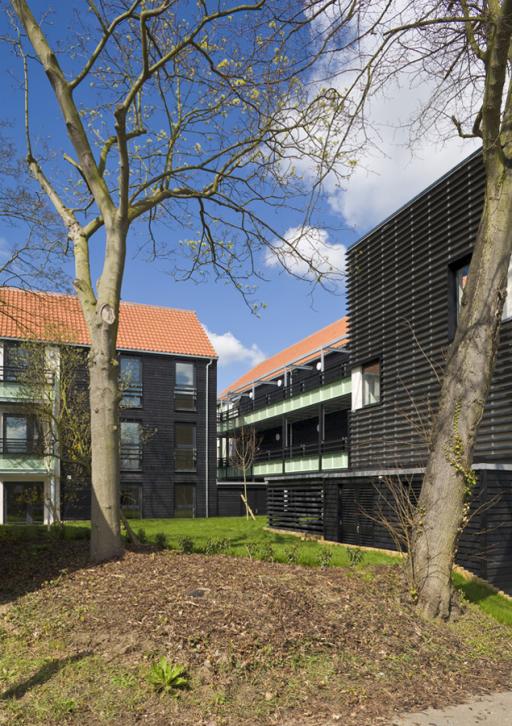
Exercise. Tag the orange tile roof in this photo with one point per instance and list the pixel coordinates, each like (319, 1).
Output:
(55, 317)
(303, 351)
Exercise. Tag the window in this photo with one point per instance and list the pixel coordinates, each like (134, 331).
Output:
(185, 389)
(131, 500)
(15, 361)
(24, 502)
(131, 381)
(131, 445)
(185, 448)
(507, 308)
(461, 278)
(15, 435)
(371, 383)
(184, 500)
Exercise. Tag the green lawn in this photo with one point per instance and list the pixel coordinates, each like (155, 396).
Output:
(239, 537)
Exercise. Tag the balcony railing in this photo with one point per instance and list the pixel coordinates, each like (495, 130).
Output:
(21, 447)
(131, 457)
(292, 452)
(282, 393)
(18, 374)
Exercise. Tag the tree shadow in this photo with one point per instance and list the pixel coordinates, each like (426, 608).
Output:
(25, 566)
(47, 671)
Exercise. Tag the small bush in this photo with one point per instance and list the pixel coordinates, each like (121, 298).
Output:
(215, 546)
(161, 540)
(355, 556)
(266, 552)
(166, 677)
(186, 545)
(141, 536)
(325, 559)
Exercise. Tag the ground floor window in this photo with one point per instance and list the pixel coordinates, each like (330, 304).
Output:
(131, 501)
(184, 500)
(23, 502)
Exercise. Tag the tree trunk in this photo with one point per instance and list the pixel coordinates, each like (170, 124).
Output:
(448, 481)
(102, 315)
(106, 540)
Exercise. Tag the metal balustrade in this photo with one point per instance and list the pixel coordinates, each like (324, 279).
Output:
(282, 393)
(131, 457)
(292, 452)
(19, 374)
(21, 447)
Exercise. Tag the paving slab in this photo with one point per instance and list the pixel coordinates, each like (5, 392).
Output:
(493, 710)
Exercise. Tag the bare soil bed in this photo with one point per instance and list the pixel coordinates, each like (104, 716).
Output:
(263, 643)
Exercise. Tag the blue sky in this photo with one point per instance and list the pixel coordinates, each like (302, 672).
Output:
(293, 309)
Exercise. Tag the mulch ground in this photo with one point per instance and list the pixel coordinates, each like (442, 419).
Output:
(264, 643)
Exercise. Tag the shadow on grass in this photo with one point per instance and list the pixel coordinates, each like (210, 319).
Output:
(475, 591)
(41, 676)
(25, 565)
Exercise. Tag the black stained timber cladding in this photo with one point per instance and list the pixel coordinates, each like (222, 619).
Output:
(158, 416)
(485, 544)
(399, 310)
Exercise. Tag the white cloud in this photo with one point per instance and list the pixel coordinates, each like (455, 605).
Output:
(231, 350)
(306, 251)
(393, 165)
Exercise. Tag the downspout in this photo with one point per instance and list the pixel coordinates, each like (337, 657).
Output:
(207, 447)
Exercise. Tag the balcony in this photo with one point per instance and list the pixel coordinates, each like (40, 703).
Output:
(316, 388)
(14, 385)
(19, 456)
(328, 456)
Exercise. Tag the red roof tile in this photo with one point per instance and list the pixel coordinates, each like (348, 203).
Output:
(57, 317)
(302, 351)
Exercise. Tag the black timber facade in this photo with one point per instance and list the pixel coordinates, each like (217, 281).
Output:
(402, 306)
(151, 484)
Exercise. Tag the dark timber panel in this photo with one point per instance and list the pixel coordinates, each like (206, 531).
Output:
(296, 506)
(486, 542)
(401, 310)
(230, 502)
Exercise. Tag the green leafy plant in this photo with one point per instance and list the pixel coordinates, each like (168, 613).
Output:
(355, 556)
(161, 540)
(167, 677)
(186, 545)
(325, 559)
(215, 546)
(141, 536)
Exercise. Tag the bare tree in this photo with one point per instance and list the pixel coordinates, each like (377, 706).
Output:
(29, 257)
(243, 454)
(179, 114)
(459, 52)
(53, 384)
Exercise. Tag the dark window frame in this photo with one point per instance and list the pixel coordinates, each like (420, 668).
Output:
(32, 444)
(136, 391)
(366, 364)
(453, 291)
(185, 390)
(185, 447)
(135, 486)
(138, 459)
(190, 487)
